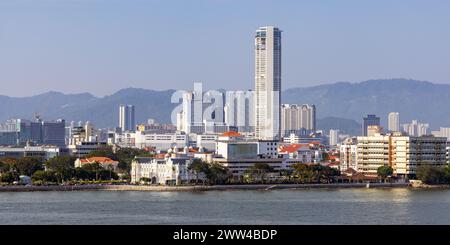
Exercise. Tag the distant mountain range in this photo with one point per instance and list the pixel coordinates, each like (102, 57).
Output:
(339, 105)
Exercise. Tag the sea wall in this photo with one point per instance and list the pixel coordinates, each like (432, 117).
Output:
(197, 188)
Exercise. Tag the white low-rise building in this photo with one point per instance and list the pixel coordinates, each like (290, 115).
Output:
(160, 141)
(239, 154)
(173, 169)
(82, 149)
(302, 153)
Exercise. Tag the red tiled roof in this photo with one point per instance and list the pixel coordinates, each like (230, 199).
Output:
(98, 160)
(231, 134)
(292, 148)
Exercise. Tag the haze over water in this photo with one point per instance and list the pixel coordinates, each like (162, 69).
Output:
(333, 206)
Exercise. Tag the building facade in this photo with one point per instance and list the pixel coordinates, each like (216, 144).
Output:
(173, 169)
(370, 120)
(333, 137)
(394, 122)
(401, 152)
(298, 119)
(416, 128)
(127, 117)
(267, 83)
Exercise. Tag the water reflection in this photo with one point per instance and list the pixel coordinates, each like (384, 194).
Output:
(318, 206)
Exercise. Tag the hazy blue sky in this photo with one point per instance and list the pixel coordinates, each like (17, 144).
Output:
(100, 46)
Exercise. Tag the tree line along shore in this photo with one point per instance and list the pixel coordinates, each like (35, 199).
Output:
(59, 173)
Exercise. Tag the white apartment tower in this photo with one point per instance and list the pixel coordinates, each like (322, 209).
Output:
(267, 83)
(126, 117)
(334, 137)
(394, 122)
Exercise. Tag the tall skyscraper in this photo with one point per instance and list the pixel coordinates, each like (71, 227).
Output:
(370, 120)
(394, 122)
(334, 137)
(267, 83)
(126, 117)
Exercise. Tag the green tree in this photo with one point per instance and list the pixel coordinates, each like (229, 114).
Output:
(63, 167)
(9, 177)
(93, 169)
(218, 174)
(198, 167)
(4, 167)
(45, 176)
(431, 174)
(303, 173)
(384, 172)
(328, 174)
(28, 165)
(81, 174)
(260, 170)
(287, 174)
(8, 164)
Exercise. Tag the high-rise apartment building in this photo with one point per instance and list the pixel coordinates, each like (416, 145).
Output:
(415, 128)
(394, 122)
(126, 117)
(370, 120)
(201, 112)
(401, 152)
(267, 83)
(334, 137)
(298, 119)
(239, 110)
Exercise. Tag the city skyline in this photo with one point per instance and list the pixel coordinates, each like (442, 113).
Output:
(68, 46)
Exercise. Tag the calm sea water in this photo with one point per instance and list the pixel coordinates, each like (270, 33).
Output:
(336, 206)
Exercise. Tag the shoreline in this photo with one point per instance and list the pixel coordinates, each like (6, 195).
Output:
(263, 187)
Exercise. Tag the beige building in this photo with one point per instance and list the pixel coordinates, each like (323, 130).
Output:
(295, 118)
(403, 153)
(410, 152)
(373, 152)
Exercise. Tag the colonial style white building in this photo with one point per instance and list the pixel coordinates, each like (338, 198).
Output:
(173, 169)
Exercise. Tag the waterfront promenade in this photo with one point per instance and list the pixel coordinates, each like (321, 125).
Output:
(198, 187)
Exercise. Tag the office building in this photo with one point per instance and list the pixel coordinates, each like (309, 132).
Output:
(267, 83)
(127, 117)
(43, 152)
(160, 141)
(39, 132)
(368, 121)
